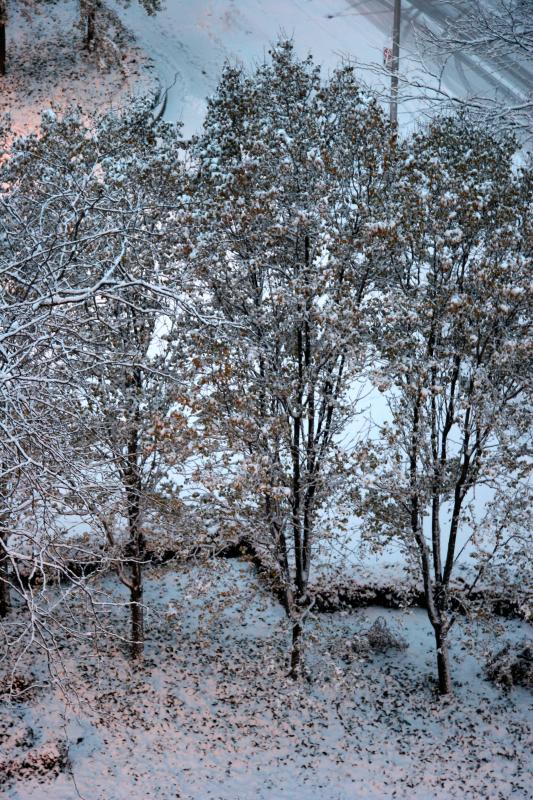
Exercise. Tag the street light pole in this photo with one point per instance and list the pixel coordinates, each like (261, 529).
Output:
(395, 63)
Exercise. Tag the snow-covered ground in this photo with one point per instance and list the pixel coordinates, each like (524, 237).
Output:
(189, 40)
(47, 66)
(212, 714)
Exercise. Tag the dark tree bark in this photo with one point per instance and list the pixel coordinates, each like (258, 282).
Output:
(90, 29)
(2, 42)
(137, 613)
(5, 599)
(133, 487)
(296, 651)
(136, 547)
(443, 662)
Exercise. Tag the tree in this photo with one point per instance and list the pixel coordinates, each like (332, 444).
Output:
(466, 55)
(83, 208)
(504, 27)
(129, 413)
(91, 10)
(128, 354)
(501, 33)
(39, 224)
(453, 338)
(291, 176)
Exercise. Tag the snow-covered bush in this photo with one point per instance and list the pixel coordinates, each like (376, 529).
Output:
(512, 665)
(379, 638)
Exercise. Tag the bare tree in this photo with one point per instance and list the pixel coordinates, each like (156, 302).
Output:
(501, 34)
(503, 28)
(472, 56)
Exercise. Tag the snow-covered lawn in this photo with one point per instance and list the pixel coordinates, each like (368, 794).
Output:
(213, 715)
(47, 66)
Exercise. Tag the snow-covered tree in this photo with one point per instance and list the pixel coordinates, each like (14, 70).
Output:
(503, 27)
(449, 474)
(292, 173)
(42, 288)
(500, 33)
(129, 353)
(82, 246)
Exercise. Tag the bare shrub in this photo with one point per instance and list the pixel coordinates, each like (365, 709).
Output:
(379, 638)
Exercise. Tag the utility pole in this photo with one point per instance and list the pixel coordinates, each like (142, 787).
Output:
(395, 62)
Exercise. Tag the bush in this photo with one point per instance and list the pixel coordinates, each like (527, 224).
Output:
(379, 638)
(512, 666)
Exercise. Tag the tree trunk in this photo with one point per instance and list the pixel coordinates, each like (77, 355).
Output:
(443, 662)
(137, 614)
(296, 651)
(90, 31)
(133, 487)
(5, 597)
(2, 46)
(5, 600)
(133, 492)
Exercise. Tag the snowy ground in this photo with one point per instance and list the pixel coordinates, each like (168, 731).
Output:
(47, 66)
(189, 40)
(212, 714)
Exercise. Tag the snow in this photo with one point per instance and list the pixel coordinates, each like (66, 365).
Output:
(212, 715)
(189, 41)
(48, 68)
